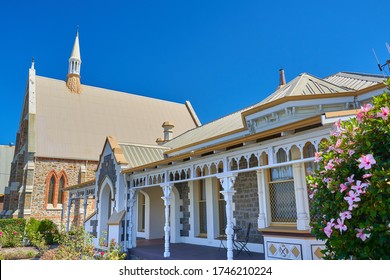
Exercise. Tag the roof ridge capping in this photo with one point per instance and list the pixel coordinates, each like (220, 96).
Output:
(143, 145)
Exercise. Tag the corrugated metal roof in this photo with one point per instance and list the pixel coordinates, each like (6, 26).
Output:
(76, 125)
(355, 81)
(137, 155)
(218, 127)
(304, 84)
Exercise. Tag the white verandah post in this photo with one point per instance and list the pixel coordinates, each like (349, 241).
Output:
(69, 208)
(227, 181)
(85, 205)
(167, 190)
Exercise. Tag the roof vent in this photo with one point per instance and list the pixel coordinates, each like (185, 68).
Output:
(168, 126)
(167, 130)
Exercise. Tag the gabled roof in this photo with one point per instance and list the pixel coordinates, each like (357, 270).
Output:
(304, 84)
(75, 126)
(355, 81)
(137, 155)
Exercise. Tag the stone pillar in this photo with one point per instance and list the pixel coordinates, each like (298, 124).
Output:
(262, 220)
(227, 181)
(167, 189)
(29, 189)
(301, 196)
(131, 242)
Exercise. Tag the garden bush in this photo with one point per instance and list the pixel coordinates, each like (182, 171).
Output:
(350, 192)
(49, 231)
(11, 232)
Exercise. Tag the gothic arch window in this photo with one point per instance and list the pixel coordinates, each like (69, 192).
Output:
(50, 195)
(61, 187)
(55, 185)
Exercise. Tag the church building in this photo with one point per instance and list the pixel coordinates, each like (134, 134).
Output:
(62, 128)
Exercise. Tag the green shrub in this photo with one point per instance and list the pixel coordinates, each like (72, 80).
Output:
(49, 231)
(73, 245)
(11, 232)
(35, 237)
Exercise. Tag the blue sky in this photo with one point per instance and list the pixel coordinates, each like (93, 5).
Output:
(222, 56)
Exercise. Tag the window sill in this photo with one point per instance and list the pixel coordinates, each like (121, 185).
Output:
(284, 231)
(50, 207)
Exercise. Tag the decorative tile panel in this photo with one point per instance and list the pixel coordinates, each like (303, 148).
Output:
(316, 253)
(285, 251)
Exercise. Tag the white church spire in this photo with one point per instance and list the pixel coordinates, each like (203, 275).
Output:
(73, 79)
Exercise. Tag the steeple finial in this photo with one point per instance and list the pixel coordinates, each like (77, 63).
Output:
(32, 63)
(73, 79)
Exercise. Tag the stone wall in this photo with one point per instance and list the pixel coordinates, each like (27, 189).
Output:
(184, 190)
(247, 205)
(72, 168)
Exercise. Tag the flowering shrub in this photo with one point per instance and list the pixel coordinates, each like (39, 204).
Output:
(113, 252)
(11, 232)
(73, 245)
(77, 245)
(350, 192)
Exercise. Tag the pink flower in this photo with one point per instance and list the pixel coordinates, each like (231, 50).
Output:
(343, 187)
(363, 236)
(366, 107)
(351, 206)
(338, 160)
(352, 198)
(384, 114)
(360, 187)
(1, 233)
(366, 161)
(367, 175)
(317, 156)
(328, 229)
(359, 117)
(15, 233)
(350, 179)
(330, 165)
(345, 215)
(351, 152)
(338, 143)
(340, 225)
(327, 180)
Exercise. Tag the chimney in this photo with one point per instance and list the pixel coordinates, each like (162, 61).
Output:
(167, 130)
(282, 79)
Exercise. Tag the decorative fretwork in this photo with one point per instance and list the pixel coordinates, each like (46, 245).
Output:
(282, 202)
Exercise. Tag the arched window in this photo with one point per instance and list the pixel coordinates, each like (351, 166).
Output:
(50, 196)
(55, 186)
(61, 187)
(282, 205)
(308, 152)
